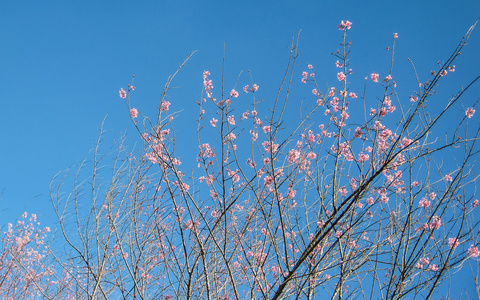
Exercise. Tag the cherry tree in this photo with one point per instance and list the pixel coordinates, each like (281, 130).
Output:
(359, 197)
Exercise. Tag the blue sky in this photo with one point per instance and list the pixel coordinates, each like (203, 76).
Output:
(62, 63)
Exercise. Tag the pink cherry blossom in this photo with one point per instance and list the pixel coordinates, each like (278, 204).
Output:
(424, 203)
(395, 35)
(424, 260)
(436, 223)
(213, 122)
(341, 76)
(469, 112)
(310, 66)
(344, 25)
(473, 251)
(165, 105)
(231, 120)
(122, 93)
(234, 93)
(363, 157)
(133, 113)
(231, 136)
(453, 242)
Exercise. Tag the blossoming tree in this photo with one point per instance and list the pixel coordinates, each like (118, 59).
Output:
(351, 201)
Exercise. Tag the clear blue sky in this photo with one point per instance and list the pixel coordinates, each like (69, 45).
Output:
(62, 63)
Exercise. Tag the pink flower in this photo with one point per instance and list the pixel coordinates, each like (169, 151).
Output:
(213, 122)
(352, 95)
(388, 78)
(214, 214)
(448, 178)
(469, 112)
(231, 136)
(424, 203)
(331, 92)
(310, 66)
(231, 120)
(453, 243)
(473, 251)
(436, 223)
(433, 267)
(424, 260)
(475, 203)
(338, 64)
(165, 105)
(375, 77)
(341, 76)
(122, 93)
(245, 88)
(255, 87)
(395, 35)
(358, 132)
(344, 25)
(133, 113)
(233, 93)
(363, 157)
(314, 91)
